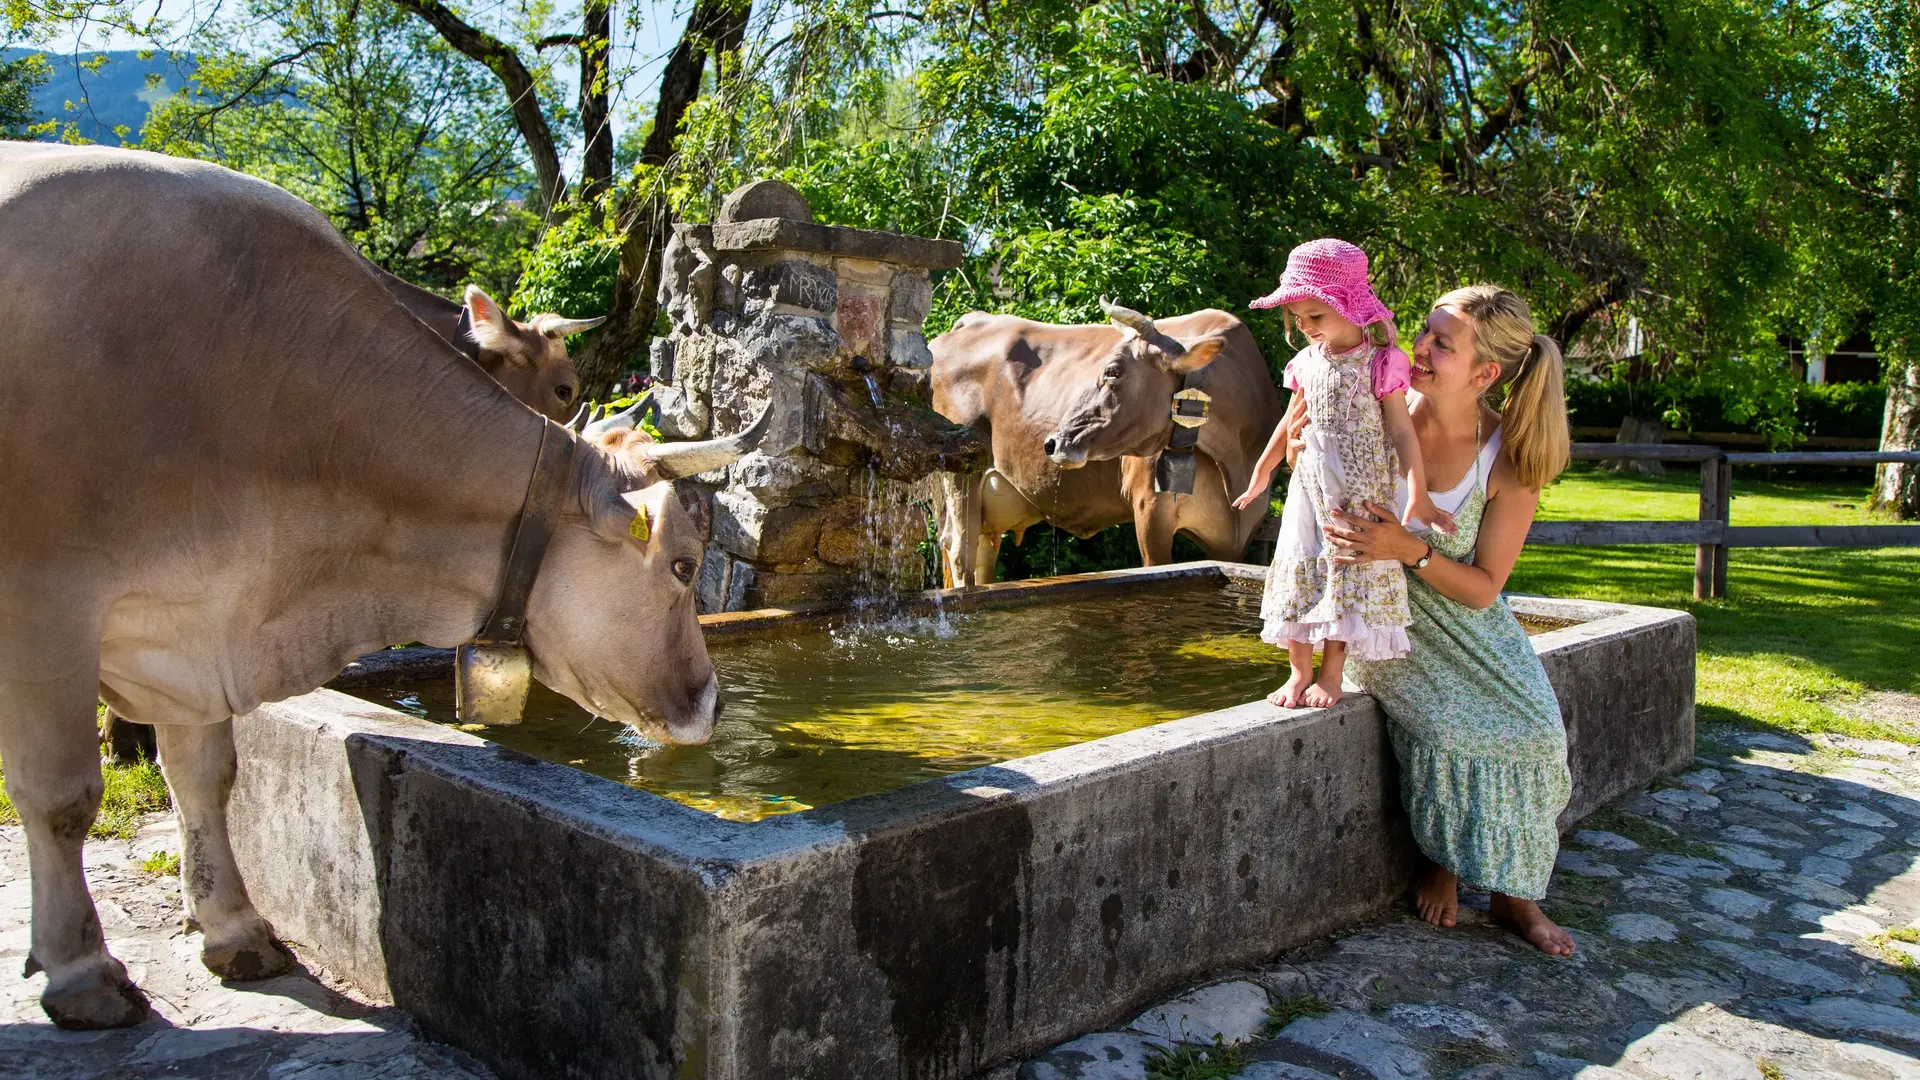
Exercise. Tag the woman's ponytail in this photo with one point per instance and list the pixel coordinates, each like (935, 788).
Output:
(1534, 413)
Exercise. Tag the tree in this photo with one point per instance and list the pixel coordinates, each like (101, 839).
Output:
(637, 209)
(364, 113)
(19, 78)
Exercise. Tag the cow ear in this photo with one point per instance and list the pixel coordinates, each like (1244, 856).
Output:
(1198, 355)
(487, 324)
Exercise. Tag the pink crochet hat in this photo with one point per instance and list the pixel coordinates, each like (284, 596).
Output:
(1333, 272)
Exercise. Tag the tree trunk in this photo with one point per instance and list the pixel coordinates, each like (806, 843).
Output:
(1896, 488)
(716, 27)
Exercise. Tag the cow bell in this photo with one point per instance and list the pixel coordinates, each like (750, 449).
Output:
(1173, 473)
(490, 683)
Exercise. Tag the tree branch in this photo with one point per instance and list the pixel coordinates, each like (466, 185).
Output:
(500, 59)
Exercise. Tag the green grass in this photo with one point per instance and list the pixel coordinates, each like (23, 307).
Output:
(131, 790)
(162, 863)
(1216, 1062)
(1286, 1010)
(1801, 630)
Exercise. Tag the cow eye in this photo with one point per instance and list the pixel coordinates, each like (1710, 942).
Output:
(1111, 375)
(564, 393)
(683, 569)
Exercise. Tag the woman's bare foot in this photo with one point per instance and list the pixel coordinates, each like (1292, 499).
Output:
(1531, 923)
(1291, 691)
(1436, 896)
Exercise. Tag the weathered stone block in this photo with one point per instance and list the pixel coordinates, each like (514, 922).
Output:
(789, 341)
(858, 320)
(751, 529)
(908, 349)
(778, 480)
(912, 296)
(660, 359)
(764, 199)
(843, 533)
(778, 234)
(680, 415)
(795, 285)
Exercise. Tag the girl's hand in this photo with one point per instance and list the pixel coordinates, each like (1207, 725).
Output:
(1255, 491)
(1297, 439)
(1421, 507)
(1361, 539)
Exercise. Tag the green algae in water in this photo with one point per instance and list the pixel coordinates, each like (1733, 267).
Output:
(829, 712)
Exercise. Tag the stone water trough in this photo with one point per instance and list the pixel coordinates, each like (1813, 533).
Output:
(556, 924)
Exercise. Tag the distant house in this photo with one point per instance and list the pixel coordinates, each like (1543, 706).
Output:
(1853, 360)
(1612, 338)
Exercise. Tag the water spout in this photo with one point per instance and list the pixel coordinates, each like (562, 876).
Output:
(873, 391)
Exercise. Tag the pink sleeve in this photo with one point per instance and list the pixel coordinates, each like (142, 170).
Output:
(1287, 378)
(1391, 372)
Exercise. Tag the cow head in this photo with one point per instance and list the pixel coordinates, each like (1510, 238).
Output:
(528, 358)
(1125, 407)
(611, 621)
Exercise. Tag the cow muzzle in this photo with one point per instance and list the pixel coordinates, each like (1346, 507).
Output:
(1064, 452)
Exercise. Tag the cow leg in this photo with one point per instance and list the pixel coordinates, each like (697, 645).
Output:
(198, 761)
(52, 753)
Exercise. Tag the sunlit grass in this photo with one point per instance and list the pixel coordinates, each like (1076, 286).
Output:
(131, 790)
(1801, 631)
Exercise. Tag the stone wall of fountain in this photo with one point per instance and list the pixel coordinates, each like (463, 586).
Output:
(826, 323)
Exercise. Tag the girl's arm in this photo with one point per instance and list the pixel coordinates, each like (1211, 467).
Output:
(1399, 425)
(1262, 478)
(1503, 532)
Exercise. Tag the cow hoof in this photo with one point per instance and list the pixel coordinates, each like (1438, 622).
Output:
(94, 996)
(246, 956)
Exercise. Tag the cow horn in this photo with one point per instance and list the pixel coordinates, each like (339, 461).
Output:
(556, 327)
(674, 460)
(618, 421)
(579, 421)
(1129, 318)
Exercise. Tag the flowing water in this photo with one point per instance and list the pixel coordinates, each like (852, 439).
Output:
(828, 712)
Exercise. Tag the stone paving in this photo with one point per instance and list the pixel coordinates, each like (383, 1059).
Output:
(1754, 917)
(295, 1027)
(1749, 918)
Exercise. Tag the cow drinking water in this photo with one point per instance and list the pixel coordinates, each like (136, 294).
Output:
(232, 462)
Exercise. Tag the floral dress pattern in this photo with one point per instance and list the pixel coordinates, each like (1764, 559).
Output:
(1346, 463)
(1477, 729)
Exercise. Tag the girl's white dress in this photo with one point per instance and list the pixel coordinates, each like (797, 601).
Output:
(1346, 463)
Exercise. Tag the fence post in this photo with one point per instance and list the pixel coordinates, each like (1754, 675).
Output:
(1703, 554)
(1724, 514)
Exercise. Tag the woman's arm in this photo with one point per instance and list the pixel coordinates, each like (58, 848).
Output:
(1503, 532)
(1262, 478)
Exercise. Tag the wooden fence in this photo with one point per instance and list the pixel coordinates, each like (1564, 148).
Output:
(1711, 534)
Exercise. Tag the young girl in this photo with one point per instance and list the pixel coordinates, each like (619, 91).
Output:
(1351, 381)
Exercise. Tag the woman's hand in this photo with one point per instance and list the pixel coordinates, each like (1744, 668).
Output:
(1360, 539)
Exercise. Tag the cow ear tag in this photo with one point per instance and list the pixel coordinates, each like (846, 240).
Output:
(646, 513)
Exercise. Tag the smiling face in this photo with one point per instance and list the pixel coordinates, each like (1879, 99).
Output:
(1445, 361)
(1324, 326)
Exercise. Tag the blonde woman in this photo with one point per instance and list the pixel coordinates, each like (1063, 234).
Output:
(1474, 722)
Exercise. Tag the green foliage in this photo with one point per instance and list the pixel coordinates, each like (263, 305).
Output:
(19, 78)
(360, 109)
(570, 270)
(1760, 399)
(1216, 1062)
(1284, 1011)
(161, 863)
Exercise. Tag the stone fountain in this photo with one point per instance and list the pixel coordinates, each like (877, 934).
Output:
(826, 323)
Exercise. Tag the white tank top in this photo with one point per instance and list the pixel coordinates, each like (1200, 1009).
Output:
(1455, 497)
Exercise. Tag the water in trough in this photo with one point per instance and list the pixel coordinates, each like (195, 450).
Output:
(827, 711)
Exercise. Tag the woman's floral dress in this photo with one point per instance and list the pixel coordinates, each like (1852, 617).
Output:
(1345, 464)
(1476, 726)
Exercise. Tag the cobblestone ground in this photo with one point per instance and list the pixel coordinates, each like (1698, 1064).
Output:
(1751, 919)
(295, 1027)
(1756, 917)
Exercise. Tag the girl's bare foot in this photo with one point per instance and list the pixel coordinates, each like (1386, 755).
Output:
(1531, 923)
(1291, 691)
(1436, 896)
(1322, 693)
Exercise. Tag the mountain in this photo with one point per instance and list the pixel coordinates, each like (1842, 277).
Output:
(103, 98)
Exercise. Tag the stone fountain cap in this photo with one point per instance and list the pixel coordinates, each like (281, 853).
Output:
(769, 215)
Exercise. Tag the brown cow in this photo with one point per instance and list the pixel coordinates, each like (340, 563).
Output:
(231, 463)
(1104, 395)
